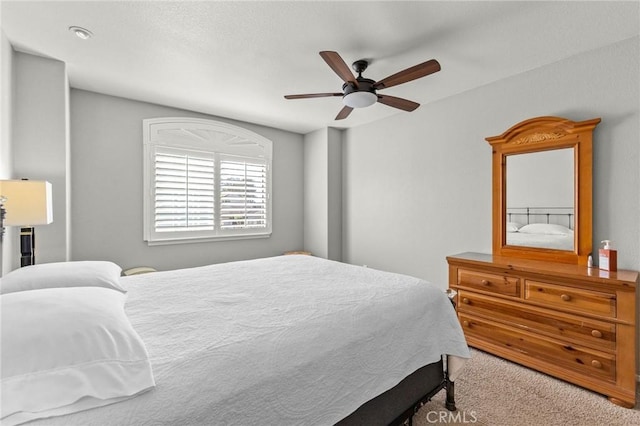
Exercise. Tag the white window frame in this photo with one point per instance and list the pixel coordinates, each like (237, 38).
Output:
(213, 138)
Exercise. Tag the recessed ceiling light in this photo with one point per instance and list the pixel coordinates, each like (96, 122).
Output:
(81, 32)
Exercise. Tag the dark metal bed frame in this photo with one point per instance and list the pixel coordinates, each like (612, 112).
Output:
(415, 390)
(450, 403)
(390, 407)
(545, 212)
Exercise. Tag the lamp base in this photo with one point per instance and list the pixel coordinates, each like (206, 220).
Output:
(27, 246)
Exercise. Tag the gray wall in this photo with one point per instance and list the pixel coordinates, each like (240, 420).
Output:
(106, 159)
(417, 186)
(323, 193)
(334, 201)
(6, 163)
(541, 179)
(40, 146)
(315, 193)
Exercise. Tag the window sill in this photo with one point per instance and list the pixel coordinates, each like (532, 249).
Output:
(207, 239)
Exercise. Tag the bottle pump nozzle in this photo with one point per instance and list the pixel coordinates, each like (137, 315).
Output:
(607, 244)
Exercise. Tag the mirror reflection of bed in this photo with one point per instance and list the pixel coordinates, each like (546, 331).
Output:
(540, 199)
(543, 227)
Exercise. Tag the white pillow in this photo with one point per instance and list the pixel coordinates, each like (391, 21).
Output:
(513, 226)
(545, 228)
(66, 350)
(88, 273)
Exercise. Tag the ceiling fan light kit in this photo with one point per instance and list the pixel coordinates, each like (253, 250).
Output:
(359, 99)
(360, 92)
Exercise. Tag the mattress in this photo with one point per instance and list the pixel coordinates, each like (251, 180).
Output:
(286, 340)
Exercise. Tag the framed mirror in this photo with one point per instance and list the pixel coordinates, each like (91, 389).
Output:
(542, 190)
(540, 199)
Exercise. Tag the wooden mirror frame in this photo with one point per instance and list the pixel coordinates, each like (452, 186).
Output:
(542, 134)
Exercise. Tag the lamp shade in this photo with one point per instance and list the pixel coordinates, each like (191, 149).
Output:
(28, 202)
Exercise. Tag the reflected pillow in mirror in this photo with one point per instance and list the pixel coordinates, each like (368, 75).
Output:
(513, 226)
(545, 228)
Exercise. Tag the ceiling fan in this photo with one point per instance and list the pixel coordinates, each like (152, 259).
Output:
(361, 92)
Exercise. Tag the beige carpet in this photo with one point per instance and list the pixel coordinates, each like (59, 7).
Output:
(495, 392)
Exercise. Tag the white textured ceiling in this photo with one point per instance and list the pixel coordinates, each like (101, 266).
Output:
(237, 59)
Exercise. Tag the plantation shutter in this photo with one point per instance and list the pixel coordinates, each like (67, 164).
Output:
(184, 191)
(205, 181)
(243, 193)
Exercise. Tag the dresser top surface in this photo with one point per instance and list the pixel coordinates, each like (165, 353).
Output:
(525, 265)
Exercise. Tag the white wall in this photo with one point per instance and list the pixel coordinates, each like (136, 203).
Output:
(106, 159)
(417, 186)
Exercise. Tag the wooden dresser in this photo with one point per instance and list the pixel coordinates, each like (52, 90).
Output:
(569, 321)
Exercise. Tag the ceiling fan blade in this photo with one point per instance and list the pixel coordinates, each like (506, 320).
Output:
(312, 95)
(400, 103)
(344, 113)
(409, 74)
(337, 64)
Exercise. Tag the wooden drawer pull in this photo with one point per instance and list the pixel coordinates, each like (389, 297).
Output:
(596, 333)
(485, 282)
(565, 297)
(595, 363)
(466, 323)
(465, 301)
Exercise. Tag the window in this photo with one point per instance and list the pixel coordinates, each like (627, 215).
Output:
(184, 190)
(205, 180)
(243, 194)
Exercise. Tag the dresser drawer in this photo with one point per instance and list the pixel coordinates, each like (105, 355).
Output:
(592, 333)
(571, 299)
(580, 360)
(508, 286)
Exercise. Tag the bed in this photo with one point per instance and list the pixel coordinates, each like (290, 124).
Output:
(540, 235)
(283, 340)
(541, 227)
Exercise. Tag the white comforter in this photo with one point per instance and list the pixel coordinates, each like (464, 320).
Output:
(551, 241)
(288, 340)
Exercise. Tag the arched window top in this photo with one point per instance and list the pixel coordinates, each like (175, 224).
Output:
(199, 133)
